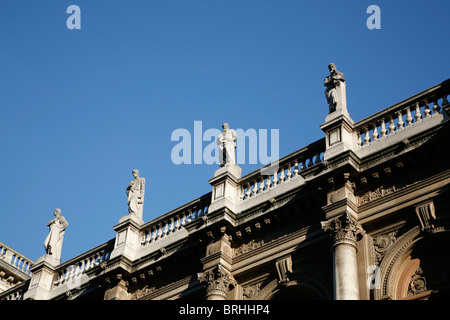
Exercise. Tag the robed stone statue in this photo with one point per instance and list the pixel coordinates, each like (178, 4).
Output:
(227, 143)
(335, 91)
(135, 192)
(54, 240)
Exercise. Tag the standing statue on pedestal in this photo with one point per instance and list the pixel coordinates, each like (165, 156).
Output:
(54, 240)
(135, 193)
(335, 92)
(227, 143)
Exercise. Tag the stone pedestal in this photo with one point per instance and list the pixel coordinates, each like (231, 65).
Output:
(339, 135)
(43, 275)
(127, 238)
(225, 187)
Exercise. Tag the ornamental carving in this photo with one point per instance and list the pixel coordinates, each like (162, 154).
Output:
(418, 283)
(217, 281)
(344, 229)
(250, 292)
(376, 194)
(247, 247)
(382, 243)
(142, 292)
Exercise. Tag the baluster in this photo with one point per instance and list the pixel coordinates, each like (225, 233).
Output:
(400, 123)
(317, 160)
(255, 187)
(177, 222)
(189, 216)
(436, 107)
(154, 233)
(166, 228)
(418, 115)
(13, 260)
(183, 222)
(267, 183)
(391, 124)
(160, 231)
(97, 259)
(248, 192)
(282, 175)
(83, 266)
(66, 275)
(261, 184)
(374, 132)
(366, 136)
(383, 130)
(288, 172)
(444, 100)
(144, 240)
(409, 118)
(171, 225)
(303, 166)
(359, 142)
(275, 178)
(427, 110)
(296, 168)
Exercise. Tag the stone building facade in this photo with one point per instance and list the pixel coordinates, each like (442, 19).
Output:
(363, 213)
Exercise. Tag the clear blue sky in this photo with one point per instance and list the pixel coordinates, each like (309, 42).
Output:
(79, 109)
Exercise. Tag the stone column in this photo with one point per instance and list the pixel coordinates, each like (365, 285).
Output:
(217, 277)
(345, 231)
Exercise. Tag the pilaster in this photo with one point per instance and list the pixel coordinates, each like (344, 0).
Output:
(216, 275)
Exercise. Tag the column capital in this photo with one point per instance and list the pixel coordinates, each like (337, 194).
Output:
(344, 229)
(217, 282)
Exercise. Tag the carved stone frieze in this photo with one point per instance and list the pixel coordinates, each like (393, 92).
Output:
(247, 247)
(376, 194)
(142, 292)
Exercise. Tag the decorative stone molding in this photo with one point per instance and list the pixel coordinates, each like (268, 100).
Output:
(344, 229)
(390, 266)
(284, 269)
(427, 215)
(217, 282)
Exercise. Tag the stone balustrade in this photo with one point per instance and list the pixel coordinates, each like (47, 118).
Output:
(407, 113)
(74, 268)
(284, 171)
(174, 220)
(16, 292)
(15, 259)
